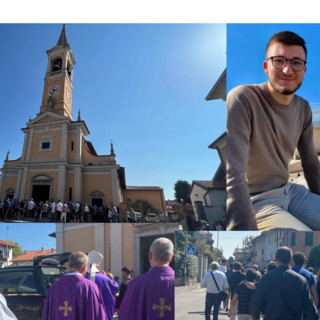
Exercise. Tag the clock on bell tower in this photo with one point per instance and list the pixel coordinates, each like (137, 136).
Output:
(58, 81)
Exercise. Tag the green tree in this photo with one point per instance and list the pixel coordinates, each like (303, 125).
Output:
(17, 250)
(314, 258)
(181, 191)
(191, 265)
(218, 254)
(201, 247)
(247, 248)
(180, 241)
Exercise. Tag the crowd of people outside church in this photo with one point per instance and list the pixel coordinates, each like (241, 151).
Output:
(283, 290)
(57, 211)
(68, 211)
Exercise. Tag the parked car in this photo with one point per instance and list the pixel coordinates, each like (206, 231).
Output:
(26, 287)
(138, 216)
(152, 217)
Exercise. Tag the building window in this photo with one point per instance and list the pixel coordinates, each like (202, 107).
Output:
(70, 194)
(45, 143)
(293, 239)
(72, 145)
(56, 65)
(309, 239)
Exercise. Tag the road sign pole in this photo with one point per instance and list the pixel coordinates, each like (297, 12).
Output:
(185, 261)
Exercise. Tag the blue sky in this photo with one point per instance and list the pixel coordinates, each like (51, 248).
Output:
(246, 45)
(229, 241)
(33, 236)
(141, 85)
(30, 236)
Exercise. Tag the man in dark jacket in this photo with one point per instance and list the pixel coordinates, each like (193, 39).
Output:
(282, 293)
(236, 277)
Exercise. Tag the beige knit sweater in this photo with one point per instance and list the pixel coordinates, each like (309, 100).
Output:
(261, 138)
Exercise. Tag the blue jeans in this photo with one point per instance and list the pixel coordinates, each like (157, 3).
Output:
(212, 299)
(292, 206)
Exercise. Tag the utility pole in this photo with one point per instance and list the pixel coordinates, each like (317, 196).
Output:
(218, 239)
(7, 246)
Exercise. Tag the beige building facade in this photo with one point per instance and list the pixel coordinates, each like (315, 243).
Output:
(121, 245)
(58, 162)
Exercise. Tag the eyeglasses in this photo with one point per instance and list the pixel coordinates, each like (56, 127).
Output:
(280, 62)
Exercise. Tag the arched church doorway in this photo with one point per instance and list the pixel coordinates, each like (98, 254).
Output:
(41, 188)
(97, 198)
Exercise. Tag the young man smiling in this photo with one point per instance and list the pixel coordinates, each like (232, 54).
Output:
(265, 124)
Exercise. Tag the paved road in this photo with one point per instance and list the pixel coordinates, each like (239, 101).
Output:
(189, 304)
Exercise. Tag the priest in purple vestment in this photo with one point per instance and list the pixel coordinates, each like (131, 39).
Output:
(151, 295)
(74, 297)
(108, 288)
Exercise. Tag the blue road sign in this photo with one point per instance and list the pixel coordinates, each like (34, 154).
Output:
(191, 250)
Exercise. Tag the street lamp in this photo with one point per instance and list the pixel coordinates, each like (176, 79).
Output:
(7, 246)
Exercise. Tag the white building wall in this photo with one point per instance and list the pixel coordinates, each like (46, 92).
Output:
(197, 194)
(216, 209)
(3, 248)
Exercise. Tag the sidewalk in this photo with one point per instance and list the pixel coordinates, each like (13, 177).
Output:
(190, 303)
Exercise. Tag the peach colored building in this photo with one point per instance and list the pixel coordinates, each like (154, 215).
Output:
(122, 244)
(303, 241)
(57, 161)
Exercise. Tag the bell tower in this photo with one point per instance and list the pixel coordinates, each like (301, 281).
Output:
(58, 84)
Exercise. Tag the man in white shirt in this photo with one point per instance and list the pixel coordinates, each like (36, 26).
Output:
(31, 206)
(212, 297)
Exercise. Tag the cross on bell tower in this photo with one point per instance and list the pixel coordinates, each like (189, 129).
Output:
(58, 81)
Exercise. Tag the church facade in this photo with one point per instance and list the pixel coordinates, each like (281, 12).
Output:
(58, 162)
(124, 244)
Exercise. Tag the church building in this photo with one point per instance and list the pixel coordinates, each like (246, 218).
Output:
(125, 244)
(57, 161)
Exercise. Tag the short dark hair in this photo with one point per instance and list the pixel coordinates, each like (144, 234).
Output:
(299, 259)
(271, 265)
(284, 255)
(288, 38)
(251, 275)
(237, 265)
(127, 270)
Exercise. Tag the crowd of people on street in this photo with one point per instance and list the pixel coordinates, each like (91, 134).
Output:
(217, 225)
(194, 225)
(283, 290)
(58, 211)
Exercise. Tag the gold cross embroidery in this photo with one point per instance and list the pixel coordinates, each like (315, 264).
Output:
(65, 308)
(162, 307)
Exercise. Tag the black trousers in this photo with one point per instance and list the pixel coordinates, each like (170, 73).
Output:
(212, 300)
